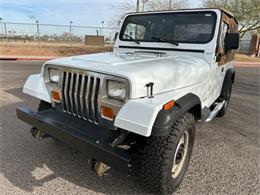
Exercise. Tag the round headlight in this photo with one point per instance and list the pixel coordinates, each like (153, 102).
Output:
(54, 75)
(116, 90)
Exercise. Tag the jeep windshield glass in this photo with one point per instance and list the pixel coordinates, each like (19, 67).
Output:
(181, 27)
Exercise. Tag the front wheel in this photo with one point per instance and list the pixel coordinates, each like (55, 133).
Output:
(43, 106)
(165, 158)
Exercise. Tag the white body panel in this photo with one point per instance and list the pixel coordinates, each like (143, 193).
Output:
(167, 72)
(35, 87)
(138, 115)
(174, 73)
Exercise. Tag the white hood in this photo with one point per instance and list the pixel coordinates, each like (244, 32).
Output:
(166, 72)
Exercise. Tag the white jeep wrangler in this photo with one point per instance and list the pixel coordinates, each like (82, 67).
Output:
(136, 107)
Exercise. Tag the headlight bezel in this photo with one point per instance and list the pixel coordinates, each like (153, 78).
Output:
(116, 80)
(53, 72)
(47, 76)
(115, 87)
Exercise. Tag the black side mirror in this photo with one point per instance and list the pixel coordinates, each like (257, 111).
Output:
(116, 35)
(231, 41)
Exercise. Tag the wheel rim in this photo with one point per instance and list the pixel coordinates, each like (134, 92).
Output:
(180, 154)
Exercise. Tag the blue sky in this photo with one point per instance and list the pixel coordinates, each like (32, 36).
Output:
(81, 12)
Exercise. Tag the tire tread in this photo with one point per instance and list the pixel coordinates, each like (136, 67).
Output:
(156, 156)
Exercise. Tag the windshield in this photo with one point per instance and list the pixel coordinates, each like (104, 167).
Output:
(182, 27)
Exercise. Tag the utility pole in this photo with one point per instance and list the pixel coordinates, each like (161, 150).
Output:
(137, 5)
(1, 20)
(38, 28)
(38, 32)
(6, 34)
(71, 32)
(143, 1)
(102, 28)
(170, 4)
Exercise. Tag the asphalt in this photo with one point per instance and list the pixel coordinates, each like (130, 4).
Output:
(226, 155)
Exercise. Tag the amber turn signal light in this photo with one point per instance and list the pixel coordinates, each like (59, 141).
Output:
(168, 105)
(107, 113)
(55, 95)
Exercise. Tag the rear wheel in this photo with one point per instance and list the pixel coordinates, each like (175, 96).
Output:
(226, 97)
(165, 158)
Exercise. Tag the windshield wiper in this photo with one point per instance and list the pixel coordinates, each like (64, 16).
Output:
(132, 39)
(166, 40)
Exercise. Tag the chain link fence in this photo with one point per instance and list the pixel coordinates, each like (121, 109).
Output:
(52, 34)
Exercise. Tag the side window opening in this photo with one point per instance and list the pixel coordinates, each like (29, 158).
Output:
(224, 30)
(135, 31)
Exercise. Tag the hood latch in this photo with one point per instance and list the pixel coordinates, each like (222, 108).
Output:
(150, 89)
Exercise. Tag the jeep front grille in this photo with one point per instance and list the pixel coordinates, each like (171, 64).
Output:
(80, 94)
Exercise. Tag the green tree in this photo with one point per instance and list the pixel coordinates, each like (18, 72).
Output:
(247, 12)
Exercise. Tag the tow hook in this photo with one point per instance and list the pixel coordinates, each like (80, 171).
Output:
(98, 167)
(38, 134)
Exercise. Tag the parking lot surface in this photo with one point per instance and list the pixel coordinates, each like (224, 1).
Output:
(226, 155)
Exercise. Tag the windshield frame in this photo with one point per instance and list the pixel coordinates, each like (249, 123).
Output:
(214, 14)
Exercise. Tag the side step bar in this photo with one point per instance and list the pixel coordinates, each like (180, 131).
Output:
(216, 110)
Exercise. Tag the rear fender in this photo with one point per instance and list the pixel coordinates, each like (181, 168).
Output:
(228, 81)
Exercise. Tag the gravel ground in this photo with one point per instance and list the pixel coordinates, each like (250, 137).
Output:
(225, 159)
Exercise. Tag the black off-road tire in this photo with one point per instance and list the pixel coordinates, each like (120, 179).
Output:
(226, 97)
(158, 155)
(43, 106)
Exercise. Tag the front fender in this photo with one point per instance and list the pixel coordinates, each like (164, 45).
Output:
(145, 116)
(138, 116)
(35, 87)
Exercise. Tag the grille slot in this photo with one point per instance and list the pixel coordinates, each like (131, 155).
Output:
(80, 93)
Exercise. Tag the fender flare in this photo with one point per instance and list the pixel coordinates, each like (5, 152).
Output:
(228, 81)
(165, 119)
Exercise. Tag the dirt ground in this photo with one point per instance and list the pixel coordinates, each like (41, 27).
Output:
(49, 50)
(65, 49)
(246, 58)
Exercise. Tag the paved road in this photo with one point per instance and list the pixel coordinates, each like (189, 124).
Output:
(225, 158)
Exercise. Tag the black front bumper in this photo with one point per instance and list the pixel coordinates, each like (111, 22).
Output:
(77, 133)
